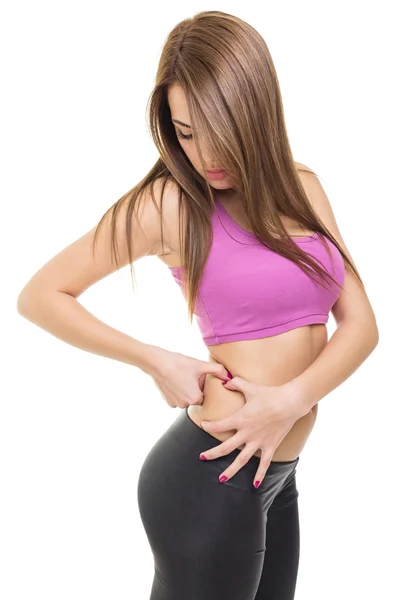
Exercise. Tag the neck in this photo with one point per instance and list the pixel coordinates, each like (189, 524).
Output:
(228, 195)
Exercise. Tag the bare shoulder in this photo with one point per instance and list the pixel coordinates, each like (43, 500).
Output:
(90, 258)
(303, 168)
(169, 203)
(321, 204)
(353, 301)
(319, 200)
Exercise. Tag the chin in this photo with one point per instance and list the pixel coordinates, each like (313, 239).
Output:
(221, 184)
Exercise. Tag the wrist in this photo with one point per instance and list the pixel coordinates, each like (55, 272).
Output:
(299, 397)
(150, 359)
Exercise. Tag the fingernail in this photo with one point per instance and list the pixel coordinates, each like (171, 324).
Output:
(202, 457)
(223, 479)
(257, 483)
(229, 375)
(225, 382)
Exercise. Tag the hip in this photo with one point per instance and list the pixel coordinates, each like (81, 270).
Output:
(219, 404)
(173, 463)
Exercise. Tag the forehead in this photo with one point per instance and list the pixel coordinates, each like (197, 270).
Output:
(177, 103)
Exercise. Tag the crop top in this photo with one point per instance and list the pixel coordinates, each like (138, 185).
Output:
(248, 291)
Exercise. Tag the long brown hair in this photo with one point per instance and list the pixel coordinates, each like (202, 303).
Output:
(234, 100)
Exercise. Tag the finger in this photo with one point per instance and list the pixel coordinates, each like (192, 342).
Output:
(202, 380)
(223, 449)
(239, 462)
(238, 384)
(216, 369)
(265, 461)
(226, 424)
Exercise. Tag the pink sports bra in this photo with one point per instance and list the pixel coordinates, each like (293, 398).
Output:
(248, 291)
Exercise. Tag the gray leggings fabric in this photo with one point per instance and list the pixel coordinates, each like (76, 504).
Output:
(213, 540)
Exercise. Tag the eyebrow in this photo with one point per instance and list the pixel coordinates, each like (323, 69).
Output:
(181, 123)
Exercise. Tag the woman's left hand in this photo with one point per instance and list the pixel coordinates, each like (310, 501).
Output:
(266, 418)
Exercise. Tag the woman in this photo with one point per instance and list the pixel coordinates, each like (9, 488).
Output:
(261, 263)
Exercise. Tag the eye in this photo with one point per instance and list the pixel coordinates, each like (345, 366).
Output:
(184, 137)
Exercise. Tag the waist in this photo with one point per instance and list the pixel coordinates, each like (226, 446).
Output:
(268, 361)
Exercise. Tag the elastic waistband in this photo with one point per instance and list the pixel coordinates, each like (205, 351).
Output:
(216, 442)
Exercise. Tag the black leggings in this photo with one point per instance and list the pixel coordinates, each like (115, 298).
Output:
(213, 540)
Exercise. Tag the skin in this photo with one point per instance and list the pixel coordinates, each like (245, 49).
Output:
(269, 407)
(270, 361)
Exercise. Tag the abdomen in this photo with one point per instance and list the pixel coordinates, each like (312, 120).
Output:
(274, 360)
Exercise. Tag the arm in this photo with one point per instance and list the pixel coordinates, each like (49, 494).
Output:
(350, 345)
(270, 412)
(356, 335)
(49, 299)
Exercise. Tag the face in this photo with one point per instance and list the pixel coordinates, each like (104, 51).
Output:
(179, 112)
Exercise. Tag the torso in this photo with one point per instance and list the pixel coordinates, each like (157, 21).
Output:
(272, 360)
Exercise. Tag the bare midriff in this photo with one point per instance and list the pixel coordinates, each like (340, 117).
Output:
(272, 360)
(267, 361)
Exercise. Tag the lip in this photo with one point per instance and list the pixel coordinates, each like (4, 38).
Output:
(216, 175)
(214, 170)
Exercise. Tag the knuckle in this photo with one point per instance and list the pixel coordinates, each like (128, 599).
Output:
(242, 459)
(224, 450)
(264, 464)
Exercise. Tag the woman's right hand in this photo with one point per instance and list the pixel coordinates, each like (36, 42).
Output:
(181, 378)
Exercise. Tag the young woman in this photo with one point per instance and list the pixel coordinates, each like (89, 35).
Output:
(250, 237)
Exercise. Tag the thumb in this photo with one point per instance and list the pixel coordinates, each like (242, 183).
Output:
(237, 383)
(217, 370)
(221, 425)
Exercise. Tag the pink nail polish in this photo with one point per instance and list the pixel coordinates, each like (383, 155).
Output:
(225, 382)
(257, 483)
(223, 478)
(202, 457)
(229, 374)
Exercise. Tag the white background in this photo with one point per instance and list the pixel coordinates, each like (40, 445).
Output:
(76, 427)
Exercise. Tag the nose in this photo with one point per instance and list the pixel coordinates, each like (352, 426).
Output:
(208, 161)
